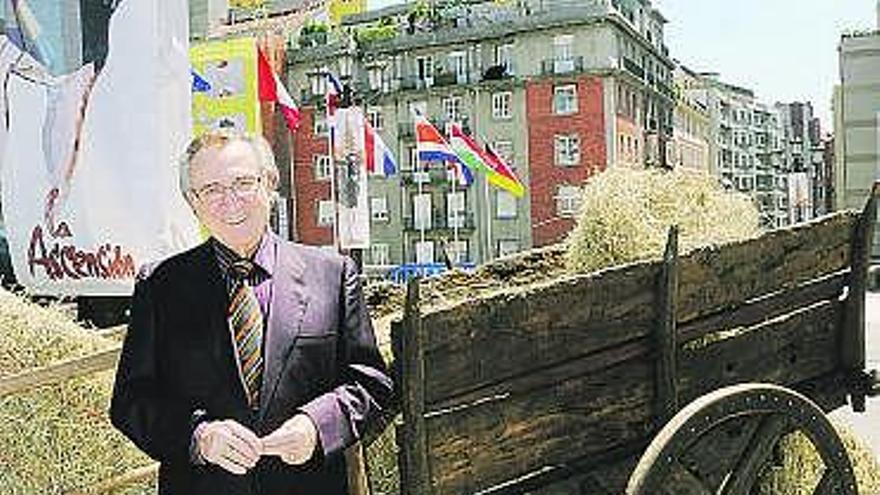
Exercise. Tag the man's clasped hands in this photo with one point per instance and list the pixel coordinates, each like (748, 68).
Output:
(237, 449)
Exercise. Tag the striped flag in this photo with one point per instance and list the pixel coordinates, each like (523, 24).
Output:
(497, 172)
(271, 89)
(333, 96)
(378, 158)
(432, 147)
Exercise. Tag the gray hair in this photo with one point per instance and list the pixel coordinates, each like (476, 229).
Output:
(220, 138)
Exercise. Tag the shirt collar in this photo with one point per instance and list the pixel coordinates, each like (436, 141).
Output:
(263, 257)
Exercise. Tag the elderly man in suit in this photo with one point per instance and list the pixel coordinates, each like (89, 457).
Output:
(250, 363)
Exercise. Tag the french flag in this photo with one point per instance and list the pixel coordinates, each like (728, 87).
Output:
(333, 96)
(379, 160)
(271, 89)
(432, 147)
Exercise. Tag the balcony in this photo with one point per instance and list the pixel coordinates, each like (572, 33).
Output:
(435, 175)
(440, 222)
(562, 65)
(633, 68)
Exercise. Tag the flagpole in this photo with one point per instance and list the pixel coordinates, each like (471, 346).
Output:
(455, 181)
(333, 168)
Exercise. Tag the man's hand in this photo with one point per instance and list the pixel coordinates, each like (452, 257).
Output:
(229, 445)
(294, 441)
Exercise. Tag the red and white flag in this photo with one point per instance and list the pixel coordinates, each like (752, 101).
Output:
(271, 89)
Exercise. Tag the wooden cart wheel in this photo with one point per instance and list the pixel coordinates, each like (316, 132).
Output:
(719, 443)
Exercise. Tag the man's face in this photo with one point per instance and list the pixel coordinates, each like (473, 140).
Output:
(230, 194)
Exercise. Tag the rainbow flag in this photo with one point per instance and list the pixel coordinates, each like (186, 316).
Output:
(497, 172)
(432, 147)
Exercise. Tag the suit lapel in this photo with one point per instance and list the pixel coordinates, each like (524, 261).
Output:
(287, 307)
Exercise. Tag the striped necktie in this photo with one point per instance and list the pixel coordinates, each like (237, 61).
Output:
(246, 321)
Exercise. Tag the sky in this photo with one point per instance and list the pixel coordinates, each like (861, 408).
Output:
(784, 50)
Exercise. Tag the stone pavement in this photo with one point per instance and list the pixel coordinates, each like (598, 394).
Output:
(867, 424)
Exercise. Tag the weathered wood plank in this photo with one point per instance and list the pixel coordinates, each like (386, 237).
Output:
(765, 308)
(536, 327)
(415, 472)
(852, 342)
(715, 278)
(786, 350)
(666, 370)
(60, 372)
(484, 442)
(488, 443)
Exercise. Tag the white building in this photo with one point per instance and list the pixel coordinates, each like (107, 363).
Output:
(857, 120)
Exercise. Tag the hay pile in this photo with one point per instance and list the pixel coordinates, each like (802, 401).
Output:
(56, 439)
(799, 468)
(626, 215)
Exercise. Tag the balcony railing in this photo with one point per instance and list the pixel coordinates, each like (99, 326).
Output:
(430, 176)
(441, 222)
(562, 65)
(633, 68)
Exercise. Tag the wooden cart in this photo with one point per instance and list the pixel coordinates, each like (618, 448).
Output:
(669, 376)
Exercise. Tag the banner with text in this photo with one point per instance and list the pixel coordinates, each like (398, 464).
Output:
(89, 159)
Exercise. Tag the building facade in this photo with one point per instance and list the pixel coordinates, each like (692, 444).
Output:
(689, 149)
(561, 90)
(857, 120)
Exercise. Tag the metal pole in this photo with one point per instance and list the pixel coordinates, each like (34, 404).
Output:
(333, 166)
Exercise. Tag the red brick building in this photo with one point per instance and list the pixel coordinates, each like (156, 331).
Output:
(567, 135)
(311, 181)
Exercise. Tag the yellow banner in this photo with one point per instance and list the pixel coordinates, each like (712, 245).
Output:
(230, 68)
(340, 8)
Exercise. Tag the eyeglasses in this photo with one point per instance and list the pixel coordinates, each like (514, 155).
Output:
(243, 187)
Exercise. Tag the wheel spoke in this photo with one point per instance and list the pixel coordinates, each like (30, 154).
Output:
(748, 466)
(827, 484)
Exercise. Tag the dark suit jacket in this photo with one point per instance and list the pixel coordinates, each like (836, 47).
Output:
(178, 367)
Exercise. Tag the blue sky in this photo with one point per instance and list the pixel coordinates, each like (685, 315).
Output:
(785, 50)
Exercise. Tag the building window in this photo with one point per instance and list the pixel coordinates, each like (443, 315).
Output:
(422, 211)
(565, 99)
(567, 149)
(505, 204)
(504, 150)
(458, 66)
(379, 209)
(425, 70)
(507, 246)
(457, 251)
(562, 46)
(322, 167)
(568, 199)
(504, 57)
(563, 57)
(455, 211)
(501, 105)
(325, 213)
(375, 75)
(452, 109)
(379, 254)
(424, 252)
(319, 125)
(319, 81)
(374, 115)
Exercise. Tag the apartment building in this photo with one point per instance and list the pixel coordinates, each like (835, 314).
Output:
(745, 145)
(857, 120)
(560, 89)
(689, 149)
